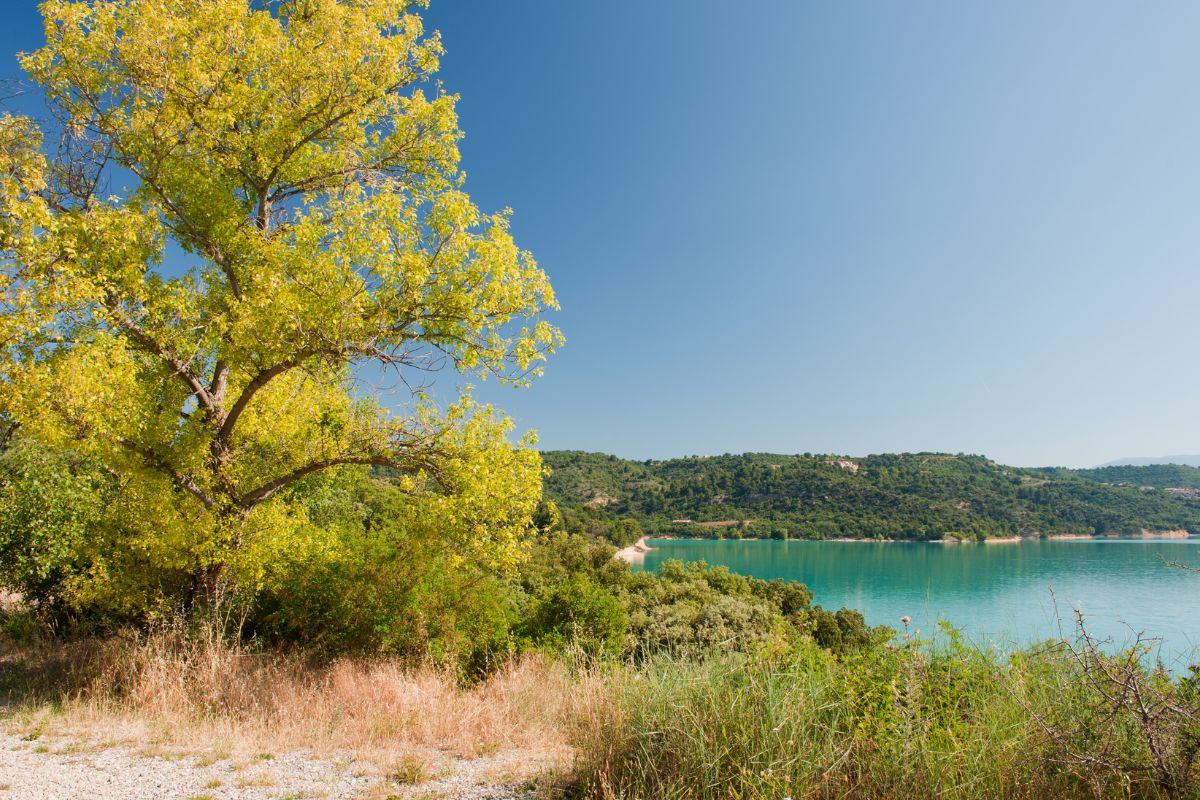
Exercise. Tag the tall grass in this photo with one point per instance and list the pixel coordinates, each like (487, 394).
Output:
(955, 723)
(198, 688)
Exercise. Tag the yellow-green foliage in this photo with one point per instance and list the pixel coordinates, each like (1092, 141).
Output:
(311, 184)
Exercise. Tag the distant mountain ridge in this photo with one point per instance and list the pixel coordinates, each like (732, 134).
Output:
(1189, 461)
(918, 496)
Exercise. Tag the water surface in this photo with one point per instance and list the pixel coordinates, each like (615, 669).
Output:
(1003, 593)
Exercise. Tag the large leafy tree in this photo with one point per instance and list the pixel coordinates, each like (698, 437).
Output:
(247, 203)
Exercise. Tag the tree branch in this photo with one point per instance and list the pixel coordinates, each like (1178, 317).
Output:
(225, 433)
(181, 368)
(185, 482)
(219, 382)
(209, 247)
(253, 498)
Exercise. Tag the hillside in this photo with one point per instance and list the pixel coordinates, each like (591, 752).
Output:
(1159, 476)
(901, 496)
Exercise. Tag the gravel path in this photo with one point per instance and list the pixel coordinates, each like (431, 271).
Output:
(65, 770)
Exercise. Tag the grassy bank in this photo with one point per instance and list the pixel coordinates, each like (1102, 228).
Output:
(906, 721)
(956, 722)
(812, 727)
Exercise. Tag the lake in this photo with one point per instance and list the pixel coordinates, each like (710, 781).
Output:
(1001, 593)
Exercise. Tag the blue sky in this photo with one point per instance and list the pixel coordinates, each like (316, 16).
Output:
(851, 227)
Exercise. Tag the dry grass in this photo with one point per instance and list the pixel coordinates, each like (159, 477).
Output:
(205, 695)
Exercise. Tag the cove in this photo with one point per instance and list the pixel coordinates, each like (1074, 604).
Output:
(1009, 594)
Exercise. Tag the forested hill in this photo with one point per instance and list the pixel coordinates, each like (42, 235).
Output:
(1159, 476)
(903, 496)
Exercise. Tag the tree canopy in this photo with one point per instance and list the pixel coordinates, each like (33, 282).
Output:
(243, 206)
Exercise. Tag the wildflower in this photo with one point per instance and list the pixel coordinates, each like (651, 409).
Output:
(904, 620)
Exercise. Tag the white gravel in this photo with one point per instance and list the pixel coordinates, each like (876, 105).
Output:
(63, 770)
(60, 769)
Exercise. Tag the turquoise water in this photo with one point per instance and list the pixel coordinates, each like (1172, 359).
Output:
(1008, 594)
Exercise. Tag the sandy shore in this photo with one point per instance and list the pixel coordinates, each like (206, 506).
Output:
(634, 553)
(1178, 534)
(1142, 534)
(848, 539)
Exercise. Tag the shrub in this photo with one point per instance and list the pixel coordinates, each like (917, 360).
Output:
(581, 612)
(695, 609)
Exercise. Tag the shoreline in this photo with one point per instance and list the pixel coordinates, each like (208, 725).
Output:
(640, 548)
(1142, 534)
(634, 553)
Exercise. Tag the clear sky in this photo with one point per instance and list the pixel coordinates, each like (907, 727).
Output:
(843, 227)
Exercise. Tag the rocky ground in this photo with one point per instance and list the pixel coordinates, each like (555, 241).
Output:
(65, 769)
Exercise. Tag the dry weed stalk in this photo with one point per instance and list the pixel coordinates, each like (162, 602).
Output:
(1130, 721)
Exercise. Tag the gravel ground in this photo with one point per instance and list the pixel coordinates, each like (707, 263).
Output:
(61, 769)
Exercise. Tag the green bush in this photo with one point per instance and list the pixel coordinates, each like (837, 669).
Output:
(62, 546)
(382, 582)
(580, 612)
(694, 609)
(842, 631)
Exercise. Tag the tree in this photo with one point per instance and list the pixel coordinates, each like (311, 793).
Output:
(288, 155)
(625, 532)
